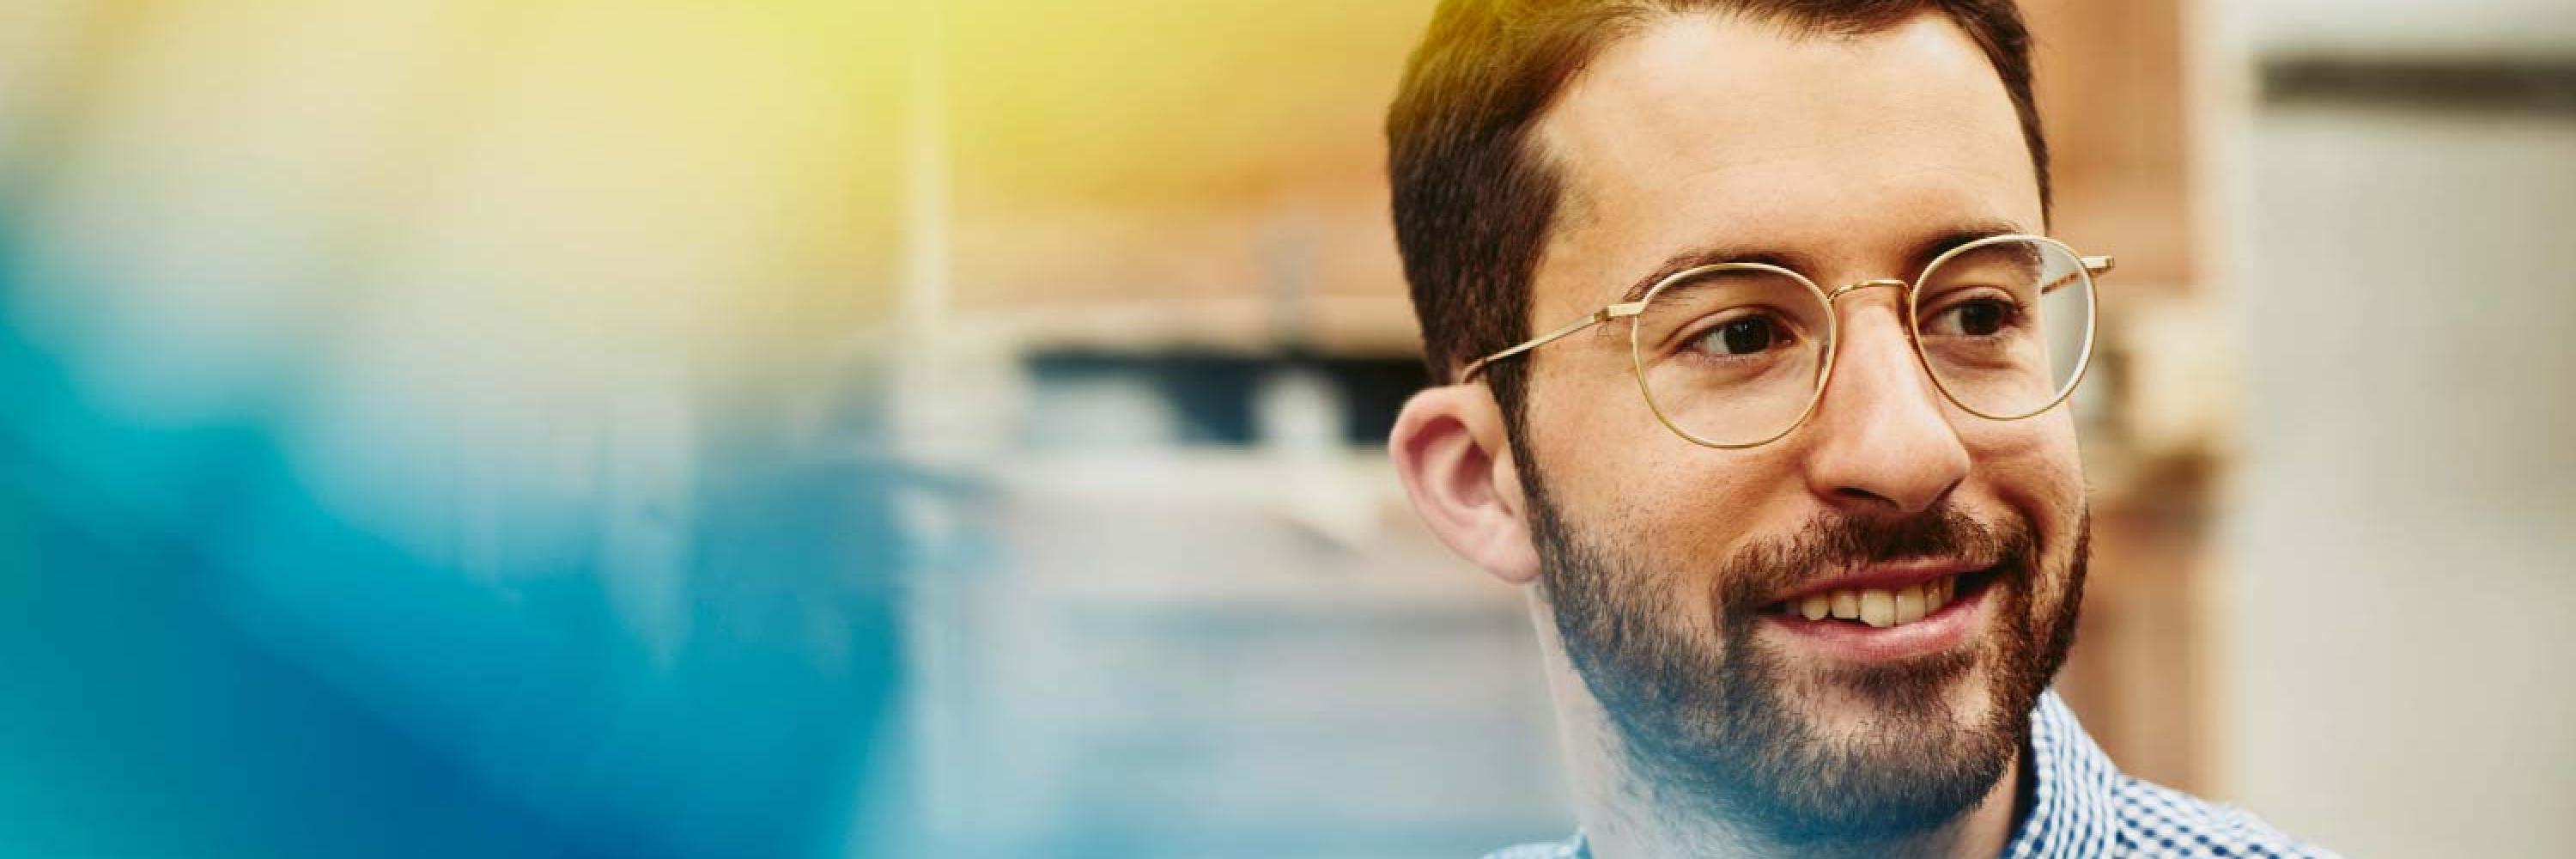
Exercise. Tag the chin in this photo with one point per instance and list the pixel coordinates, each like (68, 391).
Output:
(1856, 709)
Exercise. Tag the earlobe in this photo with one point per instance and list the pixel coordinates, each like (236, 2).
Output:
(1450, 450)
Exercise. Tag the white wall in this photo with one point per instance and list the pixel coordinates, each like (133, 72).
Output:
(2412, 26)
(2403, 525)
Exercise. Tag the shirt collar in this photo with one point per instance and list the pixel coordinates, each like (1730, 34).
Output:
(2072, 782)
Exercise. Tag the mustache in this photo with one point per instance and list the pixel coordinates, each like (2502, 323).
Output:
(1830, 543)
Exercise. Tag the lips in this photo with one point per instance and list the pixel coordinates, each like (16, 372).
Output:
(1885, 597)
(1882, 623)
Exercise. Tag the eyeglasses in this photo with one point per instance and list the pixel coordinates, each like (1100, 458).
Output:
(1736, 355)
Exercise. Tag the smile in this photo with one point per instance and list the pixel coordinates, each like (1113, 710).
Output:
(1883, 607)
(1886, 614)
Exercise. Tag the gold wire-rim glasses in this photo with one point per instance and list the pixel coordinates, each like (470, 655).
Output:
(2089, 268)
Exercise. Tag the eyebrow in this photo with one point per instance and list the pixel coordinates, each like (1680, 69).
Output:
(1915, 257)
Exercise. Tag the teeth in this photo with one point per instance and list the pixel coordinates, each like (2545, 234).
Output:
(1909, 604)
(1877, 608)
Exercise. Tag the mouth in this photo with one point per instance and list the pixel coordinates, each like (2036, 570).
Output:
(1884, 601)
(1888, 614)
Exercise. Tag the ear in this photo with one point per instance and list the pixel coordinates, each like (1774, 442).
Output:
(1456, 463)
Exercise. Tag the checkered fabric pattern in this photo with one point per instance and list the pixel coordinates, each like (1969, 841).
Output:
(2082, 806)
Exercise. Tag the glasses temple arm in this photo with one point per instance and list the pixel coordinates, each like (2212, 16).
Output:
(2095, 266)
(1596, 317)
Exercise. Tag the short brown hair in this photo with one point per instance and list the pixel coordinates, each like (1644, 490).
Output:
(1474, 199)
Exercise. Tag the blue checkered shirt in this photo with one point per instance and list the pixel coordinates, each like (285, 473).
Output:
(2081, 805)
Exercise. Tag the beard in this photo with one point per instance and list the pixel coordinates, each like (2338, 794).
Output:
(1726, 729)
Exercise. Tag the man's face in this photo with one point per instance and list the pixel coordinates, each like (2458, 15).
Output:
(1666, 564)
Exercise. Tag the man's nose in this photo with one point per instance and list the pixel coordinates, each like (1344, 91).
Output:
(1881, 441)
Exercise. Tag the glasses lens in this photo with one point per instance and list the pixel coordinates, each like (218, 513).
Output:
(2005, 325)
(1733, 355)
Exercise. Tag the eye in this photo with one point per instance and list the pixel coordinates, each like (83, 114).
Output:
(1976, 317)
(1743, 335)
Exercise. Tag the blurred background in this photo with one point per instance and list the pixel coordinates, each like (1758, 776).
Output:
(830, 428)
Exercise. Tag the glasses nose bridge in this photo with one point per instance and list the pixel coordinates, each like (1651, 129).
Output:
(1846, 289)
(1904, 292)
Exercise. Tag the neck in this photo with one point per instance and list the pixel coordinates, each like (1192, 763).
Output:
(1623, 818)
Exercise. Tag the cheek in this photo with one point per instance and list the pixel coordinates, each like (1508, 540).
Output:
(2033, 467)
(1582, 435)
(1614, 472)
(1671, 512)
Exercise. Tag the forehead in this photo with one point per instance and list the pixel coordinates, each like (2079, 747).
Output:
(1699, 130)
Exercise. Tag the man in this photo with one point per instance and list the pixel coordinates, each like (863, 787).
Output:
(1754, 364)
